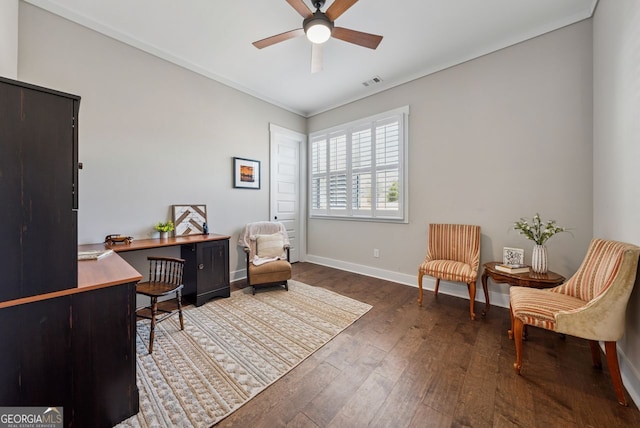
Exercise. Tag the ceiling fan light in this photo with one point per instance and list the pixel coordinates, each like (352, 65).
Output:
(317, 28)
(318, 33)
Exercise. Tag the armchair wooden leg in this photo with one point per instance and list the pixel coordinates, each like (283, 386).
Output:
(595, 354)
(420, 275)
(154, 312)
(437, 286)
(614, 369)
(472, 299)
(518, 326)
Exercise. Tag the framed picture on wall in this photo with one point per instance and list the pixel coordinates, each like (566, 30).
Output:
(246, 173)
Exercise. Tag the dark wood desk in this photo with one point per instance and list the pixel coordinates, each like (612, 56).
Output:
(206, 270)
(75, 347)
(527, 279)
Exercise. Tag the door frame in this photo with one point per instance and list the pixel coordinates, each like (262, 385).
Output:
(274, 131)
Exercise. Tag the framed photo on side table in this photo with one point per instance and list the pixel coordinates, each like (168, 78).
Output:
(246, 173)
(512, 256)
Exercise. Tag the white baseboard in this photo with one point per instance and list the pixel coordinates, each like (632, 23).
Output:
(238, 275)
(630, 377)
(449, 288)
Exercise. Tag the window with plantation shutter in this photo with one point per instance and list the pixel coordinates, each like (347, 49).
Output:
(358, 169)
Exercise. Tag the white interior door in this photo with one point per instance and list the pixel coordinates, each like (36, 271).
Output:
(287, 185)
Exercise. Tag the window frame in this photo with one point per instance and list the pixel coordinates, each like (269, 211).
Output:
(320, 142)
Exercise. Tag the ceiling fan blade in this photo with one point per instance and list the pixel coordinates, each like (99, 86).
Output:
(316, 57)
(339, 7)
(301, 8)
(278, 38)
(367, 40)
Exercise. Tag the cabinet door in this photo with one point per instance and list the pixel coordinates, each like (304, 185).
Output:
(213, 269)
(103, 356)
(38, 160)
(206, 270)
(10, 193)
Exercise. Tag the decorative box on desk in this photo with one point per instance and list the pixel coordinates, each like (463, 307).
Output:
(206, 270)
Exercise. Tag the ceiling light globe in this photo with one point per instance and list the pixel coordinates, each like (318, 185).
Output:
(318, 33)
(317, 27)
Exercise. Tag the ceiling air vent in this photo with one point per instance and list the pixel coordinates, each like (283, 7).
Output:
(374, 81)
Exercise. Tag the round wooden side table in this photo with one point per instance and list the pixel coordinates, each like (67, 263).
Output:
(527, 279)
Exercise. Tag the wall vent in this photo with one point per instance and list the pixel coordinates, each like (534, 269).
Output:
(373, 81)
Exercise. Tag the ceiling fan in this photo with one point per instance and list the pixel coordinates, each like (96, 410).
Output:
(319, 27)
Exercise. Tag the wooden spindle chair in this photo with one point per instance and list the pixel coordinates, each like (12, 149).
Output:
(165, 277)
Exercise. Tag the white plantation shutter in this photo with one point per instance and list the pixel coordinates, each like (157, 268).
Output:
(337, 173)
(361, 173)
(318, 180)
(358, 169)
(387, 166)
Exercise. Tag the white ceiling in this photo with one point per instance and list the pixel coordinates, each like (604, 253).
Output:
(213, 38)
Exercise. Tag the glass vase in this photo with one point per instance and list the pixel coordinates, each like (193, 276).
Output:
(539, 259)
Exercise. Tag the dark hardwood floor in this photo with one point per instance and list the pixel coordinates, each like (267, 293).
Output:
(402, 365)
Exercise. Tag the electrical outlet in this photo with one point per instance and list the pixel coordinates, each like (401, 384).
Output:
(376, 253)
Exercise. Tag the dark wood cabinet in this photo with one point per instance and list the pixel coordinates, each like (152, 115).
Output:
(35, 357)
(38, 189)
(65, 342)
(206, 272)
(74, 351)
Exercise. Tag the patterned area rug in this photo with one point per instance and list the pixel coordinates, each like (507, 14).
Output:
(230, 350)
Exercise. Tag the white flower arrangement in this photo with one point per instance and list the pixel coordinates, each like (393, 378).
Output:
(539, 232)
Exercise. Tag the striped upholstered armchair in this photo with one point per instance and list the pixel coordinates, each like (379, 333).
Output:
(453, 254)
(590, 305)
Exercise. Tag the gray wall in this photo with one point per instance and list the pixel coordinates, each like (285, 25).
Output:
(616, 140)
(9, 39)
(491, 140)
(152, 134)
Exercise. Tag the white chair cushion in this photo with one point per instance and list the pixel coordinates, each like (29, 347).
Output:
(270, 245)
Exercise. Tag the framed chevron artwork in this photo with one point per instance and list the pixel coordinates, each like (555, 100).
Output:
(189, 219)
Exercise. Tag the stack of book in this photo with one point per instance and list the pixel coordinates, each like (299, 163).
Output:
(93, 254)
(507, 268)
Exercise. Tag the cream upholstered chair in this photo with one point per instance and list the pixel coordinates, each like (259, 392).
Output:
(453, 254)
(590, 305)
(266, 245)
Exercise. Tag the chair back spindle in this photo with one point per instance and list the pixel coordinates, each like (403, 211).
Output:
(165, 270)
